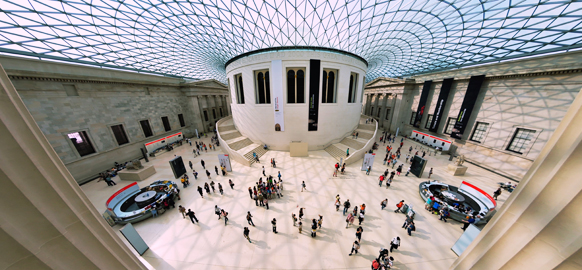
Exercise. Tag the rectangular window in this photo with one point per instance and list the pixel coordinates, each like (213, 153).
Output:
(213, 113)
(82, 143)
(328, 86)
(119, 134)
(450, 125)
(388, 114)
(363, 87)
(296, 85)
(240, 93)
(220, 112)
(166, 123)
(427, 125)
(147, 129)
(181, 118)
(205, 116)
(379, 111)
(479, 132)
(412, 117)
(262, 87)
(353, 88)
(520, 140)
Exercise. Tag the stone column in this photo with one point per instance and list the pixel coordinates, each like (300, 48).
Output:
(198, 122)
(368, 104)
(46, 221)
(375, 104)
(383, 110)
(538, 227)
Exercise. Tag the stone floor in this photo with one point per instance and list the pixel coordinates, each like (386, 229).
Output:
(176, 243)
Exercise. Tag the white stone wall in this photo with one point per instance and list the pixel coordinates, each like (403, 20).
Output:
(256, 121)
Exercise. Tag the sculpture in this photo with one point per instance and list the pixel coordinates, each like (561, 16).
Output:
(460, 160)
(134, 165)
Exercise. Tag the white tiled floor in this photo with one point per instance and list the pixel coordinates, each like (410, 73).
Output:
(176, 243)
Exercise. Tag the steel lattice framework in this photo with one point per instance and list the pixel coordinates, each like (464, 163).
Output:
(195, 38)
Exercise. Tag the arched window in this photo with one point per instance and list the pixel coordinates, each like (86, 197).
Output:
(296, 85)
(263, 89)
(329, 86)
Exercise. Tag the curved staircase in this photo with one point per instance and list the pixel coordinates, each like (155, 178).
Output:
(241, 146)
(365, 134)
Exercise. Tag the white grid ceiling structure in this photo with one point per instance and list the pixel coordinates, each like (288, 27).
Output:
(195, 38)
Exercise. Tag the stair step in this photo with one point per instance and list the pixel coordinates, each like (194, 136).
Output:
(230, 135)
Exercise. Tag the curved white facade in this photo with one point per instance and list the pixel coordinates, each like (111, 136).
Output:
(258, 121)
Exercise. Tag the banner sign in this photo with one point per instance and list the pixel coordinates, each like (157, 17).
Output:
(224, 161)
(368, 161)
(440, 105)
(121, 194)
(422, 103)
(161, 142)
(430, 140)
(478, 193)
(314, 74)
(467, 107)
(277, 81)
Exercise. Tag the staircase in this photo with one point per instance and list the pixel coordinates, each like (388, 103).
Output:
(365, 133)
(237, 142)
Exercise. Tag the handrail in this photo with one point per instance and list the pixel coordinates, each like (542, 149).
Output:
(236, 156)
(359, 154)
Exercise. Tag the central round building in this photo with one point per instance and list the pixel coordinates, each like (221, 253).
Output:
(296, 94)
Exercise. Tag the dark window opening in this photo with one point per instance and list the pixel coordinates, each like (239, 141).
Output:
(181, 118)
(82, 143)
(147, 129)
(119, 133)
(205, 116)
(166, 123)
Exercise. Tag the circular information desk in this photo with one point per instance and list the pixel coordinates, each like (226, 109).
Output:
(453, 196)
(145, 198)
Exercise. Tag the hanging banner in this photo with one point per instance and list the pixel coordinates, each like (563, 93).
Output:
(368, 161)
(422, 103)
(441, 103)
(224, 161)
(314, 74)
(467, 107)
(277, 81)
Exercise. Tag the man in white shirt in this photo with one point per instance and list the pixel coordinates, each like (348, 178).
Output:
(395, 243)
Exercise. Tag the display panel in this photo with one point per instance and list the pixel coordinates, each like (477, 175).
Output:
(422, 103)
(314, 68)
(441, 103)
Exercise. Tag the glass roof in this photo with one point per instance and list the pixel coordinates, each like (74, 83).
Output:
(195, 38)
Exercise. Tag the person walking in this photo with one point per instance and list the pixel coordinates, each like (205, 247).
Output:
(246, 234)
(357, 133)
(410, 228)
(349, 220)
(443, 213)
(361, 218)
(399, 169)
(231, 183)
(294, 217)
(264, 171)
(202, 162)
(337, 205)
(399, 205)
(266, 202)
(208, 174)
(217, 211)
(300, 226)
(303, 187)
(384, 203)
(359, 233)
(260, 198)
(200, 191)
(468, 222)
(216, 170)
(355, 248)
(301, 213)
(190, 163)
(279, 175)
(225, 215)
(220, 189)
(408, 171)
(496, 193)
(250, 218)
(251, 193)
(347, 206)
(274, 223)
(395, 243)
(207, 188)
(430, 173)
(381, 179)
(212, 186)
(313, 228)
(192, 216)
(320, 221)
(182, 211)
(348, 152)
